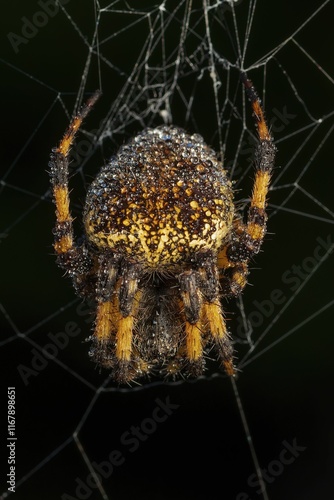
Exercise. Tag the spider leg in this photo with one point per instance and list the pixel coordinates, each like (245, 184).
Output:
(212, 309)
(192, 302)
(251, 239)
(71, 257)
(233, 275)
(200, 295)
(118, 299)
(247, 238)
(107, 311)
(127, 307)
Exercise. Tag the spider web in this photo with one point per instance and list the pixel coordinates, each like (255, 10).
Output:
(79, 436)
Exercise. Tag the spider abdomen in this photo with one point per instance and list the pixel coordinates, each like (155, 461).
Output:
(163, 197)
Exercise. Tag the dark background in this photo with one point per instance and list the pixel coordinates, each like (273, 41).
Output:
(201, 449)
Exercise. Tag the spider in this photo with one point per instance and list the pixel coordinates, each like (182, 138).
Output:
(163, 244)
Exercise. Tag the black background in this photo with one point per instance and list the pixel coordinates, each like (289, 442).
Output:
(201, 449)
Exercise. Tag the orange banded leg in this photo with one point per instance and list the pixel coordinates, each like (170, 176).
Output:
(204, 317)
(194, 346)
(59, 166)
(107, 312)
(112, 335)
(264, 162)
(104, 333)
(69, 256)
(128, 363)
(75, 124)
(246, 239)
(192, 302)
(233, 278)
(212, 312)
(217, 327)
(127, 308)
(117, 306)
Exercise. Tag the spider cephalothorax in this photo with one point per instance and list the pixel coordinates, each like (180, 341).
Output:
(162, 245)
